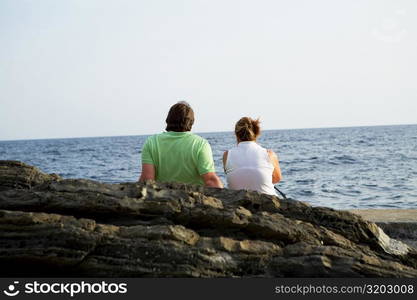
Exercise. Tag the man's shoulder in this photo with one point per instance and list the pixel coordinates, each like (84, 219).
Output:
(154, 136)
(151, 140)
(198, 138)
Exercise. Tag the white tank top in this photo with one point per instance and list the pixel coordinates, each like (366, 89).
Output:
(248, 167)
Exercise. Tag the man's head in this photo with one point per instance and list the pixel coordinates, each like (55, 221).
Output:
(180, 117)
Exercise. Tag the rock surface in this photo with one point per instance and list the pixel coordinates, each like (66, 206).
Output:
(400, 224)
(51, 226)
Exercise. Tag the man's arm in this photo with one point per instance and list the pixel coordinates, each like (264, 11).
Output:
(205, 167)
(148, 172)
(211, 179)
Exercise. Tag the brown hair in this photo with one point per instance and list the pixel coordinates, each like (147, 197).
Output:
(247, 129)
(180, 117)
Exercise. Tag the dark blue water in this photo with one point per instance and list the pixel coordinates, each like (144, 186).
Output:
(357, 167)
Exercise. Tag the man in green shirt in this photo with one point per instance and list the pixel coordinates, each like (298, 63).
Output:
(177, 154)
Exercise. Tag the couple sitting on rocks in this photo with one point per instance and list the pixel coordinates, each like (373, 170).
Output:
(181, 156)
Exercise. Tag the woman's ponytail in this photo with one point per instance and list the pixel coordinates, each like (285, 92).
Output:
(247, 129)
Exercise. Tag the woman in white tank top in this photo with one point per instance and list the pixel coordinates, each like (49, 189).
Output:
(249, 166)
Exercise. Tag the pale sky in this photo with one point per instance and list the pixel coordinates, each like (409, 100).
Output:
(101, 68)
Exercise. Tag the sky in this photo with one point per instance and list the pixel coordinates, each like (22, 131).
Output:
(80, 68)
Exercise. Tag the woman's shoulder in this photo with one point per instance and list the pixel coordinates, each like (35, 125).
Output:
(260, 147)
(231, 149)
(272, 155)
(270, 151)
(227, 153)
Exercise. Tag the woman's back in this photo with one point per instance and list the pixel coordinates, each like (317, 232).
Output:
(248, 166)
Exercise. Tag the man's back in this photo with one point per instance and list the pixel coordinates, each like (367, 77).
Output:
(178, 156)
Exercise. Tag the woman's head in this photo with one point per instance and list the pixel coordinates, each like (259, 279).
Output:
(180, 117)
(247, 129)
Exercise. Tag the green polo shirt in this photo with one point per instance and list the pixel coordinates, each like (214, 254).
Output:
(178, 156)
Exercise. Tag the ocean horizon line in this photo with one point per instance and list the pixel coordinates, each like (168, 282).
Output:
(199, 132)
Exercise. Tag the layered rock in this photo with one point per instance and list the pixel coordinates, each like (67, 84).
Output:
(51, 226)
(400, 224)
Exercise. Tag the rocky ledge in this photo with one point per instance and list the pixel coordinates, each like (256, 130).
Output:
(400, 224)
(51, 226)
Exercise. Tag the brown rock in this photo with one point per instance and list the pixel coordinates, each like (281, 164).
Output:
(51, 226)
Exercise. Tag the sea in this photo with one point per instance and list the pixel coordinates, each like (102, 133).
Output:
(342, 168)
